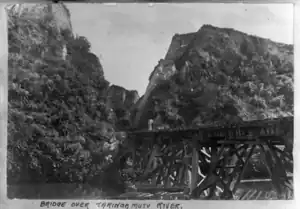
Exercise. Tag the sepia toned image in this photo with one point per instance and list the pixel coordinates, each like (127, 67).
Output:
(150, 102)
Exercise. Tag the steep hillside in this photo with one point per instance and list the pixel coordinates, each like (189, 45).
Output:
(218, 75)
(60, 128)
(63, 114)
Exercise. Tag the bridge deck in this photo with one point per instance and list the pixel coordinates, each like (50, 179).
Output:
(286, 121)
(252, 132)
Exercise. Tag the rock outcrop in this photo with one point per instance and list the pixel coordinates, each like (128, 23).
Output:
(59, 11)
(119, 97)
(161, 73)
(57, 14)
(122, 102)
(217, 75)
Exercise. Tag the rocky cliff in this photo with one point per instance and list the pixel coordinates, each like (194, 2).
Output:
(58, 11)
(217, 75)
(119, 97)
(57, 15)
(59, 127)
(122, 102)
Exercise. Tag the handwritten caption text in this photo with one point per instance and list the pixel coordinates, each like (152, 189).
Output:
(109, 205)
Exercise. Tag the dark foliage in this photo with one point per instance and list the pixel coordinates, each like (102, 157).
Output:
(57, 106)
(223, 75)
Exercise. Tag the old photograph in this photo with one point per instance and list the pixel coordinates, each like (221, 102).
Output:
(143, 101)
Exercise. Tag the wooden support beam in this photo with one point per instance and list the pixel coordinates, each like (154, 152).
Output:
(239, 166)
(176, 175)
(188, 176)
(160, 176)
(133, 154)
(243, 170)
(154, 179)
(274, 170)
(195, 160)
(205, 153)
(180, 175)
(280, 169)
(168, 173)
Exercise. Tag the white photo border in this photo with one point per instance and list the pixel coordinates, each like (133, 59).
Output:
(274, 204)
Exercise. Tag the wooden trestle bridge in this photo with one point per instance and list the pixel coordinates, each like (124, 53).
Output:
(211, 160)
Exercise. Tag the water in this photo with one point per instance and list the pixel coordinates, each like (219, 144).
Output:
(245, 191)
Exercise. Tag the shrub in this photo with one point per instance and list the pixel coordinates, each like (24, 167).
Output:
(258, 102)
(277, 101)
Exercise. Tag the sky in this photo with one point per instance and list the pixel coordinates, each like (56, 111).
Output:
(131, 38)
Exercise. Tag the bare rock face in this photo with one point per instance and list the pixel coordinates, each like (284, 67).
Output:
(55, 16)
(119, 97)
(116, 96)
(163, 72)
(220, 75)
(58, 11)
(131, 98)
(122, 102)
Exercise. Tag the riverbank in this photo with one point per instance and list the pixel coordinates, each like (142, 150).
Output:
(245, 191)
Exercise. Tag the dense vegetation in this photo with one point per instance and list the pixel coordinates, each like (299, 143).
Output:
(223, 75)
(59, 128)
